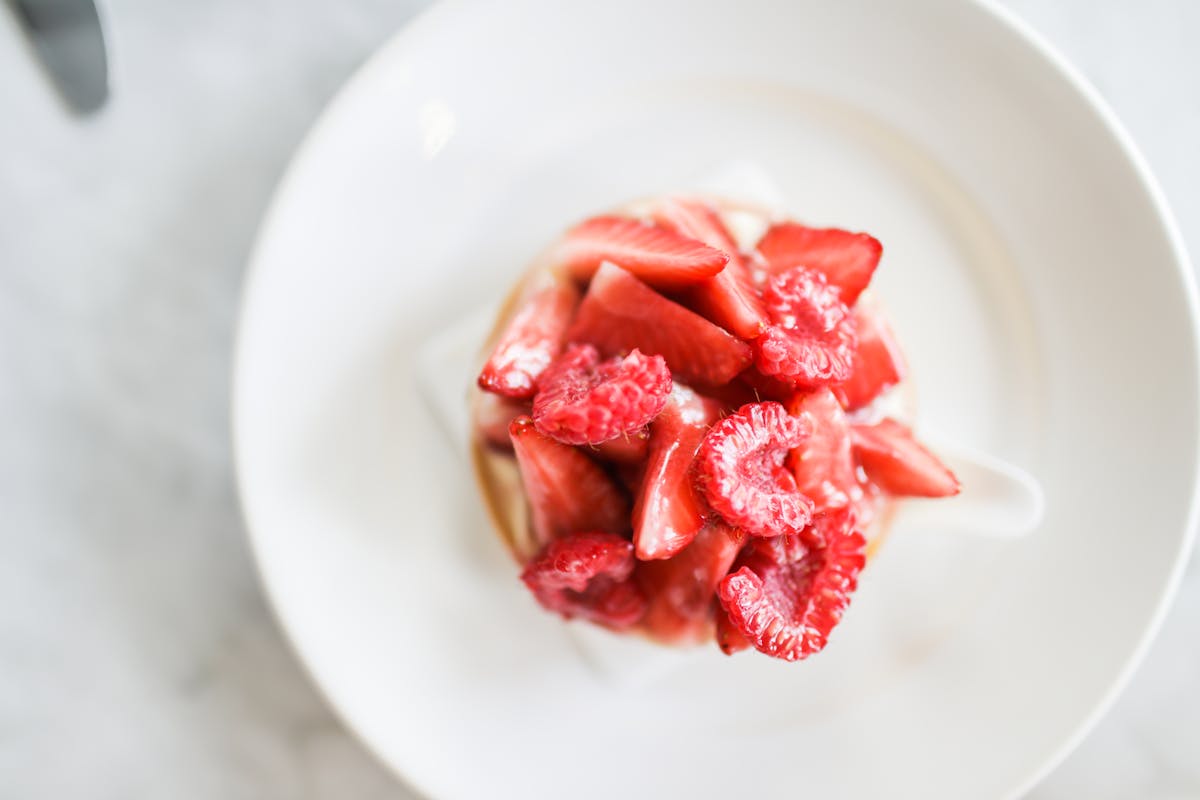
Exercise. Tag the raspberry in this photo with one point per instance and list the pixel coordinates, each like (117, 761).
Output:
(587, 575)
(741, 470)
(811, 339)
(582, 400)
(826, 525)
(787, 609)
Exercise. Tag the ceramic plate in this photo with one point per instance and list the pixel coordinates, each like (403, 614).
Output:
(1030, 268)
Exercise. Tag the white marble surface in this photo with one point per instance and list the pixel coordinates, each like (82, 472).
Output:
(137, 657)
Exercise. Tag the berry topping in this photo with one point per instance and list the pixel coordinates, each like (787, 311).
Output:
(680, 590)
(662, 258)
(787, 609)
(847, 260)
(740, 466)
(667, 512)
(533, 338)
(690, 434)
(765, 387)
(878, 363)
(826, 524)
(620, 313)
(567, 491)
(897, 464)
(582, 400)
(811, 339)
(824, 462)
(587, 575)
(728, 298)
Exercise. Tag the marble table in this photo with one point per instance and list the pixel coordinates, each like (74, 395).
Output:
(137, 656)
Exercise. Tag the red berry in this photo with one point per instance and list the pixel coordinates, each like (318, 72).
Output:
(667, 511)
(811, 339)
(824, 463)
(493, 414)
(629, 474)
(735, 394)
(729, 638)
(662, 258)
(826, 525)
(584, 401)
(620, 313)
(740, 467)
(587, 575)
(533, 337)
(898, 464)
(728, 298)
(846, 259)
(680, 590)
(787, 609)
(566, 490)
(628, 449)
(878, 363)
(765, 387)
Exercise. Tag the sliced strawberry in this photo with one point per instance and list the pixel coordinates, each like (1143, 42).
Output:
(629, 474)
(730, 396)
(787, 609)
(587, 575)
(662, 258)
(533, 338)
(764, 387)
(667, 511)
(810, 341)
(680, 590)
(583, 401)
(567, 491)
(630, 448)
(740, 468)
(824, 462)
(728, 298)
(847, 260)
(878, 363)
(729, 638)
(620, 313)
(493, 414)
(897, 464)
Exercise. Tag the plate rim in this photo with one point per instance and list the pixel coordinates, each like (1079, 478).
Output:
(397, 42)
(1170, 227)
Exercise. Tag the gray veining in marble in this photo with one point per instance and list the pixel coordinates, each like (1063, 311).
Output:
(137, 656)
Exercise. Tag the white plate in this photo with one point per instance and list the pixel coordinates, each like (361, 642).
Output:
(1033, 274)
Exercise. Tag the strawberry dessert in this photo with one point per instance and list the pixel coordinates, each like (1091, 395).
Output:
(681, 428)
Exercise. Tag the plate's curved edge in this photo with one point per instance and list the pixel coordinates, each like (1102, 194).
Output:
(1001, 15)
(431, 15)
(1170, 228)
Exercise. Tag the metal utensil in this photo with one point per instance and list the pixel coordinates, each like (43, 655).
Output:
(68, 37)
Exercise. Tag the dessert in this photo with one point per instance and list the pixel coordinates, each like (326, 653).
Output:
(681, 428)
